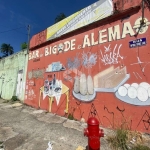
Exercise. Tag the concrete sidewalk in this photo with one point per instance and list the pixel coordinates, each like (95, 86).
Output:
(25, 128)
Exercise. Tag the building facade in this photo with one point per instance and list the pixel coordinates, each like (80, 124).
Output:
(13, 75)
(100, 69)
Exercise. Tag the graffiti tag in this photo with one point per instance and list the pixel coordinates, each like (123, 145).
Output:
(111, 57)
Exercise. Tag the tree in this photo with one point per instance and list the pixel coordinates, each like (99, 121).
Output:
(6, 49)
(24, 45)
(60, 17)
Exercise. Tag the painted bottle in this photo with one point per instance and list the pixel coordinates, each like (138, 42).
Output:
(46, 86)
(50, 88)
(77, 85)
(90, 85)
(83, 84)
(54, 81)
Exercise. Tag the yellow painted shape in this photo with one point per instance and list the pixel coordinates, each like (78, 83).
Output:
(65, 90)
(67, 102)
(40, 99)
(80, 148)
(56, 27)
(50, 103)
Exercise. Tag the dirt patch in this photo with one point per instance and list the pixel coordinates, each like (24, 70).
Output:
(15, 142)
(6, 133)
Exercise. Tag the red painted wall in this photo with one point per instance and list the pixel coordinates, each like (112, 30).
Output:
(125, 4)
(114, 98)
(38, 39)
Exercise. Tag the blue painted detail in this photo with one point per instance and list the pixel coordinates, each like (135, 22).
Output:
(137, 42)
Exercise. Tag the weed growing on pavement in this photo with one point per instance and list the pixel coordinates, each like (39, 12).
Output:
(140, 147)
(118, 140)
(125, 139)
(1, 145)
(70, 116)
(14, 98)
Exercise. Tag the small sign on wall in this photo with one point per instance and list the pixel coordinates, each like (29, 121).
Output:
(137, 42)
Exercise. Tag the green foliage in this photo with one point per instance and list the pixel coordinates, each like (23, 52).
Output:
(140, 147)
(70, 116)
(60, 17)
(1, 145)
(119, 140)
(14, 98)
(24, 45)
(125, 139)
(6, 49)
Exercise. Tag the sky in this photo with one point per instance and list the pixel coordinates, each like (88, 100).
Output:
(16, 15)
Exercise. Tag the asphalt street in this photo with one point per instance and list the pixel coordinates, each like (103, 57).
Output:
(25, 128)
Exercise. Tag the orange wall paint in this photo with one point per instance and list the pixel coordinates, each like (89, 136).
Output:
(125, 4)
(38, 39)
(109, 109)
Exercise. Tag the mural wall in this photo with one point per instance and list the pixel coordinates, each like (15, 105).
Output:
(103, 72)
(13, 75)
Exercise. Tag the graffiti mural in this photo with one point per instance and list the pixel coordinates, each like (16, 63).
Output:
(95, 72)
(55, 66)
(39, 73)
(111, 57)
(93, 112)
(145, 120)
(54, 89)
(72, 65)
(135, 94)
(83, 85)
(126, 121)
(110, 119)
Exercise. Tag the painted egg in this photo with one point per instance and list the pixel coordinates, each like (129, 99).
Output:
(122, 91)
(144, 85)
(142, 94)
(132, 92)
(127, 85)
(148, 92)
(135, 85)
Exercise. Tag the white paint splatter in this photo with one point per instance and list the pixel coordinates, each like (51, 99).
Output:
(49, 146)
(111, 57)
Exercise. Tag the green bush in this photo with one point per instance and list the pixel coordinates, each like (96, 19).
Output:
(1, 145)
(122, 140)
(140, 147)
(70, 116)
(14, 98)
(119, 140)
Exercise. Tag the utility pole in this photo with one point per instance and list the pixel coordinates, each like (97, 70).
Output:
(28, 28)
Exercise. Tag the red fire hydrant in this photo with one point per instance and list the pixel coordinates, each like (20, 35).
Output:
(94, 133)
